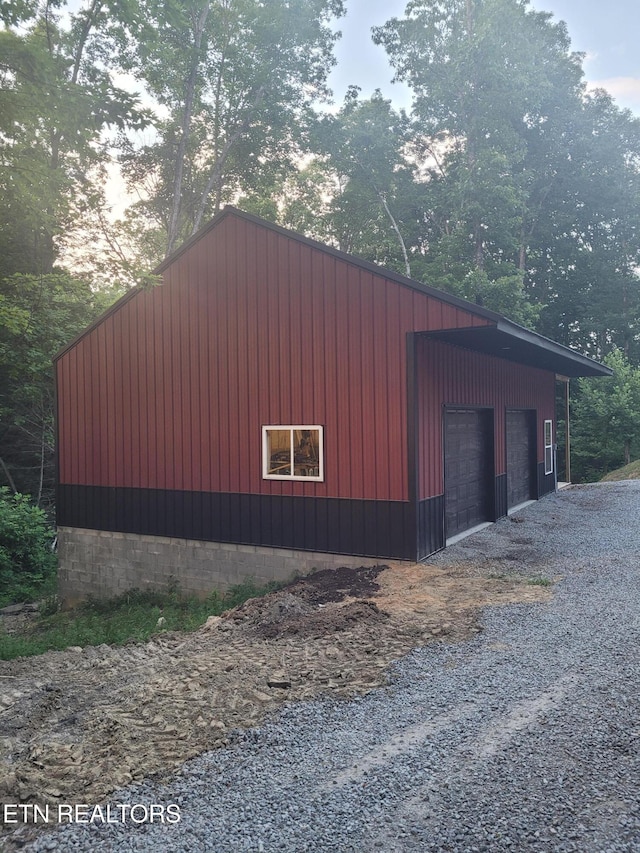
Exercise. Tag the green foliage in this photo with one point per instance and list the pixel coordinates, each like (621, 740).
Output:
(370, 212)
(484, 75)
(627, 472)
(524, 179)
(606, 420)
(229, 125)
(57, 100)
(584, 253)
(539, 581)
(14, 12)
(357, 191)
(505, 295)
(38, 315)
(131, 616)
(27, 562)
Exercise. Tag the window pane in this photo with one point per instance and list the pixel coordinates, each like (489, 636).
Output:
(279, 451)
(306, 452)
(548, 460)
(547, 432)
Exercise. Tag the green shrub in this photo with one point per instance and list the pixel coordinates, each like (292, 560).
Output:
(27, 562)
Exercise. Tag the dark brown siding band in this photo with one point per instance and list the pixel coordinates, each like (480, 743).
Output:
(430, 526)
(546, 482)
(364, 528)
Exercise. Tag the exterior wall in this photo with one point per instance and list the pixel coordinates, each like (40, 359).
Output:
(446, 375)
(103, 564)
(251, 327)
(451, 376)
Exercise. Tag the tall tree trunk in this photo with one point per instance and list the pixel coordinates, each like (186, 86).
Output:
(42, 458)
(48, 251)
(185, 128)
(92, 13)
(478, 251)
(407, 267)
(7, 474)
(522, 255)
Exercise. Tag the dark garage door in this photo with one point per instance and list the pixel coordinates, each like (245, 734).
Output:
(520, 457)
(468, 468)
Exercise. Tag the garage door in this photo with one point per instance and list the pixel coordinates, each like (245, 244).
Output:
(520, 456)
(468, 469)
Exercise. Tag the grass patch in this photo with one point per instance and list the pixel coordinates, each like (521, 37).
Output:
(539, 582)
(132, 616)
(627, 472)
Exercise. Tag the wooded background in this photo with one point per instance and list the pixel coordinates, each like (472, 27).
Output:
(507, 183)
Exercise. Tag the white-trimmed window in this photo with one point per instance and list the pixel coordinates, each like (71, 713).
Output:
(292, 453)
(548, 447)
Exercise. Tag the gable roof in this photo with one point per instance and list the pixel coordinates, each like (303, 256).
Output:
(501, 337)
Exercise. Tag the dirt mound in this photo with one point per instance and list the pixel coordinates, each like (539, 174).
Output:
(329, 585)
(301, 609)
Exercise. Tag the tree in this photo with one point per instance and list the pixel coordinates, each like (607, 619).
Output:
(57, 98)
(367, 143)
(235, 81)
(485, 75)
(38, 315)
(357, 190)
(606, 420)
(362, 150)
(585, 252)
(531, 187)
(57, 102)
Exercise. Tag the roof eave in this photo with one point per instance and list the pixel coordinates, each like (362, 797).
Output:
(594, 368)
(508, 340)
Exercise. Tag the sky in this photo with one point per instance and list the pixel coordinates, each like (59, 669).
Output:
(607, 31)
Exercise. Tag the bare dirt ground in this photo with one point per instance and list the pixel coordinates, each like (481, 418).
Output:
(78, 724)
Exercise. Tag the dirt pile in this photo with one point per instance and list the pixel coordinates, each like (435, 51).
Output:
(301, 609)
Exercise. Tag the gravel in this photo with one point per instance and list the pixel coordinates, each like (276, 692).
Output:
(526, 738)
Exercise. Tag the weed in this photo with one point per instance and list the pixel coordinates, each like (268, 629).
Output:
(132, 616)
(49, 605)
(539, 581)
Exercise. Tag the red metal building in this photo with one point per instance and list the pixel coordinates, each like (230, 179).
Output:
(277, 393)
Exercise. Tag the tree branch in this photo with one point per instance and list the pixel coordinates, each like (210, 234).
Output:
(216, 172)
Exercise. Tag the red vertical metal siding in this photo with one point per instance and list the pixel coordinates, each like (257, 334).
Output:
(449, 375)
(252, 327)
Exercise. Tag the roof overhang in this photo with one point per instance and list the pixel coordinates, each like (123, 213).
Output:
(515, 343)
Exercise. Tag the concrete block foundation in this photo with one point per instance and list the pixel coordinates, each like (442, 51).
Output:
(102, 564)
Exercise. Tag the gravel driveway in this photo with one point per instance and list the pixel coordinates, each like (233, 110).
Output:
(526, 738)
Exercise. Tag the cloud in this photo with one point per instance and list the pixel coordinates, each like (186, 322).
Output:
(625, 90)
